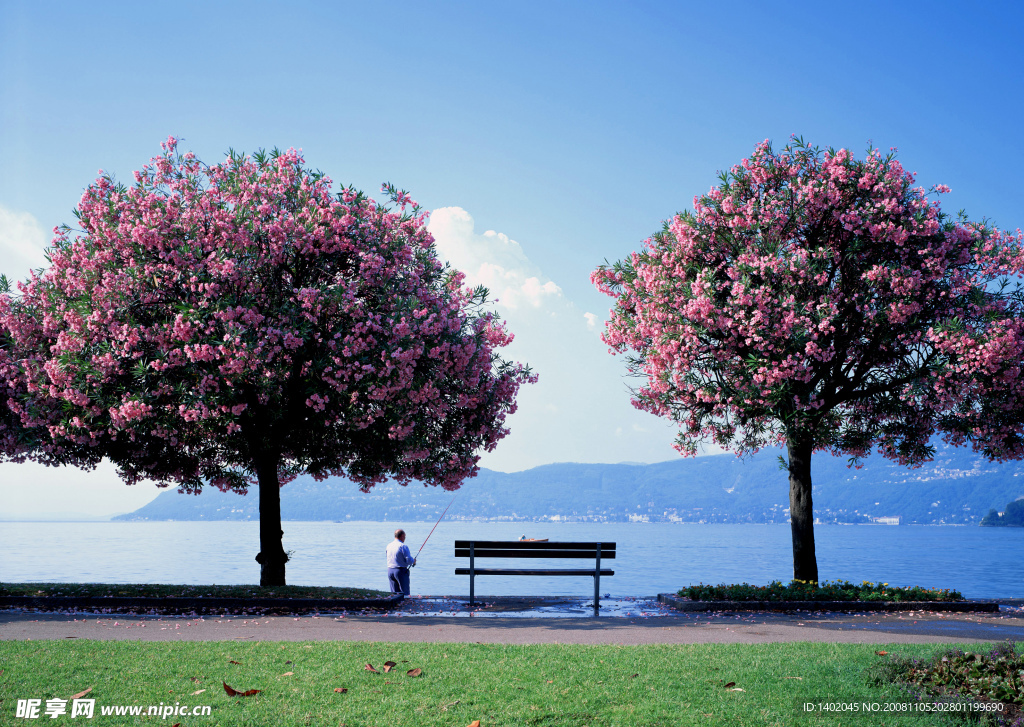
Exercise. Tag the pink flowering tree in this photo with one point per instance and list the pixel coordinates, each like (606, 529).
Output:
(16, 441)
(824, 303)
(238, 324)
(19, 442)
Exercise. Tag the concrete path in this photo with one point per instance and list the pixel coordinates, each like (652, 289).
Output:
(646, 627)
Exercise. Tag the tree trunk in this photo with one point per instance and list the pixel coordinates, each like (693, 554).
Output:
(271, 556)
(801, 509)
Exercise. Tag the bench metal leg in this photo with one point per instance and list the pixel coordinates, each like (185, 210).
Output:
(597, 580)
(472, 574)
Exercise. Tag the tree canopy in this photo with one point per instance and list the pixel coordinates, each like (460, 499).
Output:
(824, 302)
(238, 323)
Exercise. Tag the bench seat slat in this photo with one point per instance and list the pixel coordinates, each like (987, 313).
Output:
(533, 572)
(532, 544)
(496, 553)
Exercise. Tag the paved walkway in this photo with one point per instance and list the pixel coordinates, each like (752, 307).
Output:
(523, 621)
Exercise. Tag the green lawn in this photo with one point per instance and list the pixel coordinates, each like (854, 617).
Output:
(496, 684)
(160, 590)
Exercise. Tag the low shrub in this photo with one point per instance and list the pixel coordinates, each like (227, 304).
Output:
(808, 591)
(993, 681)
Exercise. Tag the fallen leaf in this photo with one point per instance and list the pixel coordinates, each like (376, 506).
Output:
(369, 667)
(730, 684)
(176, 724)
(287, 662)
(474, 723)
(198, 691)
(414, 672)
(235, 662)
(194, 679)
(340, 690)
(82, 694)
(737, 689)
(633, 676)
(232, 692)
(389, 665)
(288, 674)
(882, 653)
(800, 678)
(552, 681)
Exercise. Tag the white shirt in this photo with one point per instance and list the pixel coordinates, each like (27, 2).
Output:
(398, 554)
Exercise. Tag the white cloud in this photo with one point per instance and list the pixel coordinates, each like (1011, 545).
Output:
(536, 293)
(22, 242)
(491, 260)
(580, 409)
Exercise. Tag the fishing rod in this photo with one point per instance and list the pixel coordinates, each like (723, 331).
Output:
(435, 527)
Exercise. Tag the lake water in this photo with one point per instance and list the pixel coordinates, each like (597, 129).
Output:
(652, 557)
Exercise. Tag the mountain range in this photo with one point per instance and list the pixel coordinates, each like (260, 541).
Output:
(957, 487)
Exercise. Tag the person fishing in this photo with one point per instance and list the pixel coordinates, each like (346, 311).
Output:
(399, 562)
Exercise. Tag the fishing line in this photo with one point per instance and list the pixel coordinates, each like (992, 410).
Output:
(434, 528)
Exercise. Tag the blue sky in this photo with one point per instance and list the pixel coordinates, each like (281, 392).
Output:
(567, 130)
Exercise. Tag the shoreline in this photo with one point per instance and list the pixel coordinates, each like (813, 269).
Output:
(661, 605)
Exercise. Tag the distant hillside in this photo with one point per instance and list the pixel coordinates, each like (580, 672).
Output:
(957, 487)
(1011, 517)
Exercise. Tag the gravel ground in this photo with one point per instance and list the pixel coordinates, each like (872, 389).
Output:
(530, 621)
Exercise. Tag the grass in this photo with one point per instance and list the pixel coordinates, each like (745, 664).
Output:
(536, 685)
(158, 590)
(827, 591)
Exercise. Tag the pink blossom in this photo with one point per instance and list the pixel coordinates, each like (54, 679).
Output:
(207, 315)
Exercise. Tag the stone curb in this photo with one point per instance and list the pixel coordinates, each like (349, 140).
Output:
(177, 605)
(683, 604)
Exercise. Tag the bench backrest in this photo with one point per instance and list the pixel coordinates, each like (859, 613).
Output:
(531, 549)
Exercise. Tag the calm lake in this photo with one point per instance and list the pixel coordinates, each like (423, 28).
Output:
(652, 557)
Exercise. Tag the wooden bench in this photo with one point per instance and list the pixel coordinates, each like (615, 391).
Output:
(474, 549)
